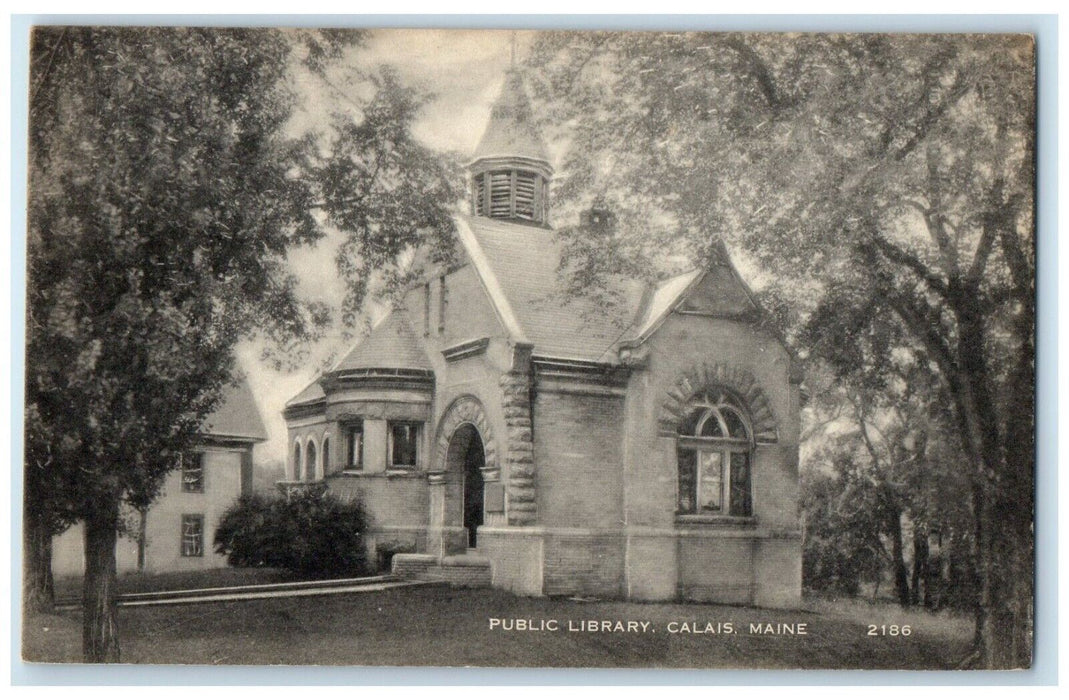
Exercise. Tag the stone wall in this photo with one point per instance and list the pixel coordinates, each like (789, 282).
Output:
(521, 507)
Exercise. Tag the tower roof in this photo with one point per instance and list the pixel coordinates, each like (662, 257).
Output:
(511, 131)
(391, 345)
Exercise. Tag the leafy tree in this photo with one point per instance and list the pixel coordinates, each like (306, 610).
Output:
(888, 470)
(842, 546)
(877, 180)
(165, 192)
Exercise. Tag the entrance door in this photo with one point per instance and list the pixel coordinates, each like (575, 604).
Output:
(474, 461)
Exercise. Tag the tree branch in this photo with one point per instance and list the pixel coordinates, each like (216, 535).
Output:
(959, 89)
(910, 261)
(759, 69)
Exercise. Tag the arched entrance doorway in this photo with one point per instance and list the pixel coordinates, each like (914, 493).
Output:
(465, 461)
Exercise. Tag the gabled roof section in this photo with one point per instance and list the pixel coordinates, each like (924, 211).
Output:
(518, 267)
(662, 299)
(237, 416)
(390, 345)
(716, 290)
(511, 131)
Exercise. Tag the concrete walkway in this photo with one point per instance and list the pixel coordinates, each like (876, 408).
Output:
(296, 589)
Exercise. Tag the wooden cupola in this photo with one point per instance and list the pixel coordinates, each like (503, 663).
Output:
(510, 170)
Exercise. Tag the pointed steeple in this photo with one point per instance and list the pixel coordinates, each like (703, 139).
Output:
(510, 169)
(511, 131)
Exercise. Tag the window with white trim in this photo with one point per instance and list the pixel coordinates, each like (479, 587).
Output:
(404, 444)
(714, 455)
(354, 446)
(193, 472)
(192, 535)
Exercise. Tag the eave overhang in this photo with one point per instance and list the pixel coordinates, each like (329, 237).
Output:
(379, 378)
(582, 371)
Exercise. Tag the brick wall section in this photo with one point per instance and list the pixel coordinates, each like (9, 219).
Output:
(584, 564)
(777, 572)
(519, 455)
(516, 557)
(388, 500)
(413, 566)
(467, 574)
(717, 569)
(679, 347)
(579, 456)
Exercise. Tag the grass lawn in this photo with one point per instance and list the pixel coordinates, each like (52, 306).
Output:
(441, 626)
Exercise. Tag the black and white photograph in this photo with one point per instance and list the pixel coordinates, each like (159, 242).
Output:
(536, 348)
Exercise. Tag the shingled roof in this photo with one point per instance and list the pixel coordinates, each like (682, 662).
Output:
(390, 345)
(511, 131)
(518, 265)
(312, 392)
(237, 416)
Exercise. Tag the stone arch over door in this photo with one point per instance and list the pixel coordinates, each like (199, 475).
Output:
(711, 375)
(464, 441)
(465, 409)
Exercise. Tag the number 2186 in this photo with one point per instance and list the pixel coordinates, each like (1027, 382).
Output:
(889, 631)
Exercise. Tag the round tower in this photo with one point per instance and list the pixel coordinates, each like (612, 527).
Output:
(510, 170)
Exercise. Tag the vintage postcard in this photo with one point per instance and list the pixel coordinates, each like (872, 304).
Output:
(585, 349)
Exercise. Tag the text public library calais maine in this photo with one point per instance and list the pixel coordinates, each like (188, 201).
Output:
(499, 432)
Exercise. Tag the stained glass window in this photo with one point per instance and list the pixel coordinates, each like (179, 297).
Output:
(713, 458)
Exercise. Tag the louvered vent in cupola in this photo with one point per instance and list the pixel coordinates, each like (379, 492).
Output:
(501, 195)
(514, 194)
(479, 196)
(525, 195)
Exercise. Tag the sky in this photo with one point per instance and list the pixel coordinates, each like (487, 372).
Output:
(464, 69)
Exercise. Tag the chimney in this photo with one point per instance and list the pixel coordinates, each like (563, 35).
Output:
(598, 219)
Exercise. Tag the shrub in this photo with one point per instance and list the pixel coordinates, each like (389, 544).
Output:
(313, 534)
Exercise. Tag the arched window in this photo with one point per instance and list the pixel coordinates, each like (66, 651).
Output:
(714, 455)
(326, 456)
(310, 461)
(297, 462)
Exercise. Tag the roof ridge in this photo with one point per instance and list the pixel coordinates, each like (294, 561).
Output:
(491, 284)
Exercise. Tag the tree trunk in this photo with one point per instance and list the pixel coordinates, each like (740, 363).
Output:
(142, 539)
(1003, 492)
(901, 573)
(894, 526)
(100, 634)
(1005, 535)
(920, 565)
(38, 589)
(1004, 613)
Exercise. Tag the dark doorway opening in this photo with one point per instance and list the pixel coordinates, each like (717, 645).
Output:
(474, 461)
